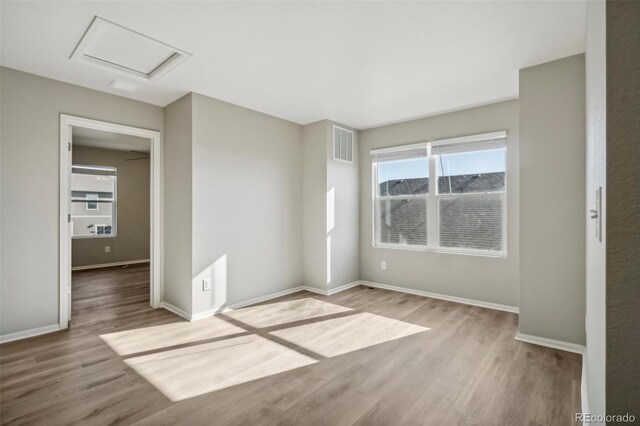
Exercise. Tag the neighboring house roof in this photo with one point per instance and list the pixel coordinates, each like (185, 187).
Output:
(464, 222)
(479, 182)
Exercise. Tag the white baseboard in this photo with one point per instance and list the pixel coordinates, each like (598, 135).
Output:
(210, 312)
(342, 288)
(171, 308)
(480, 303)
(109, 265)
(264, 298)
(205, 314)
(584, 396)
(329, 291)
(29, 333)
(550, 343)
(315, 290)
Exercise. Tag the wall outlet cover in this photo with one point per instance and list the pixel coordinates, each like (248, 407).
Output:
(383, 264)
(107, 249)
(206, 284)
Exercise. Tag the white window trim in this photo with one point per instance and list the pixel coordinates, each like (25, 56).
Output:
(433, 226)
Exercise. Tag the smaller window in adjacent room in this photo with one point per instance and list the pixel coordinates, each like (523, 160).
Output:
(447, 195)
(93, 201)
(93, 204)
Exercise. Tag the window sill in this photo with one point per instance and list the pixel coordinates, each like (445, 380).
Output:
(90, 237)
(478, 253)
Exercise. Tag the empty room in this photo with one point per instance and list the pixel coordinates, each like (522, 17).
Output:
(319, 212)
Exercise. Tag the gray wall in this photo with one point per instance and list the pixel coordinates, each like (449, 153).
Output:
(342, 184)
(623, 205)
(314, 198)
(490, 279)
(30, 109)
(247, 201)
(595, 255)
(133, 222)
(331, 210)
(177, 203)
(552, 202)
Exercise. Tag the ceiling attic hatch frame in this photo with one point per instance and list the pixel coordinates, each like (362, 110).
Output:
(116, 48)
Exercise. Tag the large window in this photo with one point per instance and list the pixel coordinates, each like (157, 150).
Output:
(444, 195)
(93, 201)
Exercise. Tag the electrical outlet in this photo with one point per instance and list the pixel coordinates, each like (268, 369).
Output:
(107, 249)
(383, 264)
(206, 284)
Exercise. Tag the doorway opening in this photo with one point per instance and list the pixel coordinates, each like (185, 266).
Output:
(109, 218)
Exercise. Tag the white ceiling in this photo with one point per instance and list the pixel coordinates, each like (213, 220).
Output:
(141, 54)
(108, 140)
(358, 63)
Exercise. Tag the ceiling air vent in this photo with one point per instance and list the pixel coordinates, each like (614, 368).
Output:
(342, 144)
(116, 48)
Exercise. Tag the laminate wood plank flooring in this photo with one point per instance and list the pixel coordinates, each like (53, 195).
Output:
(362, 356)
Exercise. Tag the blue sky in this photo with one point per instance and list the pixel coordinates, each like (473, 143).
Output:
(453, 164)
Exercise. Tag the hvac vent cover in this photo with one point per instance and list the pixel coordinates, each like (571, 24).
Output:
(116, 48)
(342, 144)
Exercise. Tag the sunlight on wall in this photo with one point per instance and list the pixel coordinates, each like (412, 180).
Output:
(346, 334)
(187, 372)
(285, 312)
(331, 209)
(329, 259)
(161, 336)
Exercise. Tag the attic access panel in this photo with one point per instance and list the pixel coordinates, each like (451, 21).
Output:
(125, 51)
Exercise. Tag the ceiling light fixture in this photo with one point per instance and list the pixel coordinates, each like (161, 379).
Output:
(123, 85)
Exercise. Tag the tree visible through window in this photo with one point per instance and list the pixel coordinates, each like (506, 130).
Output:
(448, 196)
(93, 201)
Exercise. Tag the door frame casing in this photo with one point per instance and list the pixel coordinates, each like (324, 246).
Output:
(66, 124)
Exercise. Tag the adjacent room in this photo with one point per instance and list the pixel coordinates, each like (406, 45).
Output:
(319, 213)
(110, 224)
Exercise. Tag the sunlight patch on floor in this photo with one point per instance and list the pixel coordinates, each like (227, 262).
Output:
(161, 336)
(346, 334)
(195, 370)
(285, 312)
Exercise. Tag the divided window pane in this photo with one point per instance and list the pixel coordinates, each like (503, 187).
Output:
(467, 200)
(403, 222)
(403, 177)
(473, 222)
(471, 171)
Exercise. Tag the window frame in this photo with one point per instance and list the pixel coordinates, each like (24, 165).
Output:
(114, 202)
(103, 225)
(432, 199)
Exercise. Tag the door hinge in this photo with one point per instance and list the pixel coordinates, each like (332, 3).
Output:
(69, 146)
(68, 217)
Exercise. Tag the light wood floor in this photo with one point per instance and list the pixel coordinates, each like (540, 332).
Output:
(362, 356)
